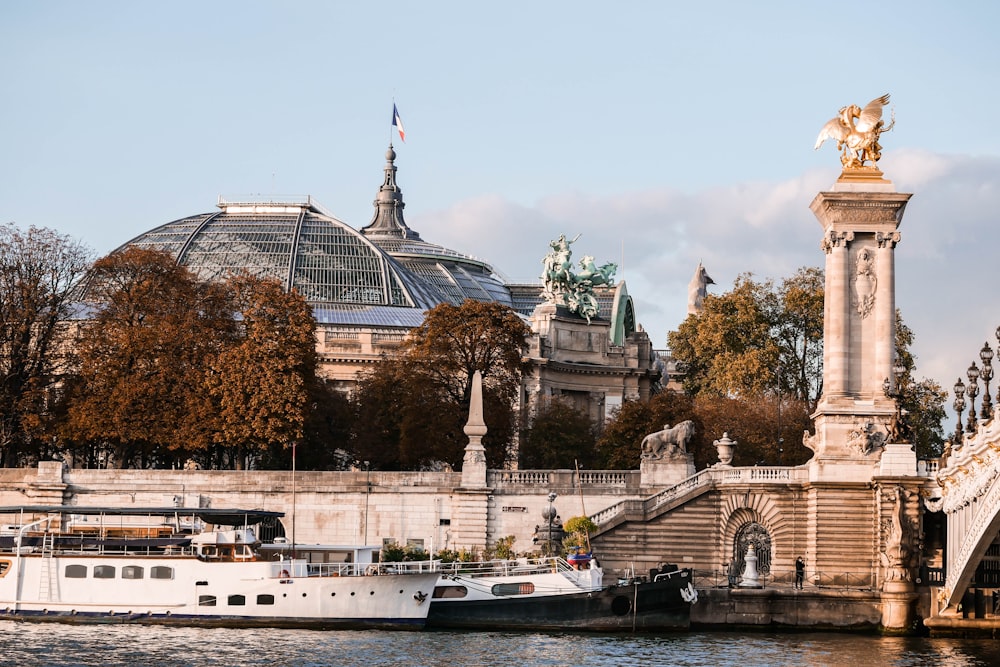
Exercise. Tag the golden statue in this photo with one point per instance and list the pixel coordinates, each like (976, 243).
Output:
(858, 139)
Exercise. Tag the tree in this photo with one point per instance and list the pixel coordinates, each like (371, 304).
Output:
(756, 340)
(922, 402)
(754, 425)
(142, 359)
(559, 436)
(618, 447)
(39, 271)
(259, 381)
(763, 345)
(410, 411)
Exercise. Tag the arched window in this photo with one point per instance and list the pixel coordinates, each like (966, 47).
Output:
(757, 535)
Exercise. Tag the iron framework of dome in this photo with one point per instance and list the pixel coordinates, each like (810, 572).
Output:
(383, 275)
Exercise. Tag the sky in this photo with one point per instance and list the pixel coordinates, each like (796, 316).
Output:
(663, 133)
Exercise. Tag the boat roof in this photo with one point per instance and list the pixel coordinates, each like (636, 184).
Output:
(223, 516)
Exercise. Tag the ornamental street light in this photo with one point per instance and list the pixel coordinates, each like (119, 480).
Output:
(898, 431)
(971, 391)
(986, 373)
(959, 406)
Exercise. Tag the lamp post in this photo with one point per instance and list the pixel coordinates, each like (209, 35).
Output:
(971, 391)
(368, 493)
(894, 390)
(959, 406)
(986, 373)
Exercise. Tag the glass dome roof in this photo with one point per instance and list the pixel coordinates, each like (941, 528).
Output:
(384, 274)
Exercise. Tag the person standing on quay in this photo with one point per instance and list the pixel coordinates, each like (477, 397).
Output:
(800, 571)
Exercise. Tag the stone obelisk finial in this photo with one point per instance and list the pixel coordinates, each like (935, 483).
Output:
(474, 463)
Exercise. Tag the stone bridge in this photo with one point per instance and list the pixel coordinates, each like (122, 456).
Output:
(969, 494)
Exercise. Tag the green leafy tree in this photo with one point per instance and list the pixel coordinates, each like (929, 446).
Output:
(39, 271)
(559, 436)
(922, 401)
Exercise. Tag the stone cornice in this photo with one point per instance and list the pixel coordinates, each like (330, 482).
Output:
(860, 209)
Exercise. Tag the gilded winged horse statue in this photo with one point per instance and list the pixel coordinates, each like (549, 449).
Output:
(856, 131)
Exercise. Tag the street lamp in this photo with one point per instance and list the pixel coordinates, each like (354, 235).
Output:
(959, 406)
(986, 355)
(894, 390)
(368, 493)
(971, 391)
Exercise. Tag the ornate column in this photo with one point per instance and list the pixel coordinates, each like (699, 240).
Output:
(860, 217)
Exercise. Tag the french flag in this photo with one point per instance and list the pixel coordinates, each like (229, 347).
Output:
(397, 123)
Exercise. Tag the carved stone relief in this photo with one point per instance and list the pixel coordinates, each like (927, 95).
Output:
(865, 281)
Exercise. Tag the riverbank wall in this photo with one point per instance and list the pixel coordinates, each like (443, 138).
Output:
(786, 609)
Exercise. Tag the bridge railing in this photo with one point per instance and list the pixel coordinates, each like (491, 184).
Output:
(718, 476)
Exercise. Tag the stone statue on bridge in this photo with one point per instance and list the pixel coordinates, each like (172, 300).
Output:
(670, 443)
(856, 132)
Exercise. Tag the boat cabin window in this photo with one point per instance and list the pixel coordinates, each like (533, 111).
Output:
(132, 572)
(236, 600)
(76, 571)
(448, 592)
(265, 598)
(525, 588)
(104, 572)
(4, 566)
(206, 600)
(161, 572)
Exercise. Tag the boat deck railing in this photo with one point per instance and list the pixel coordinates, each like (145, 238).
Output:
(368, 569)
(495, 568)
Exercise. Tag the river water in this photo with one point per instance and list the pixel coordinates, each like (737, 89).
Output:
(31, 644)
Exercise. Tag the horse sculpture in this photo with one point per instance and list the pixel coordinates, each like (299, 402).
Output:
(668, 443)
(698, 289)
(858, 140)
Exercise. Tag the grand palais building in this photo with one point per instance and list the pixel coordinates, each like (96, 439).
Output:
(369, 287)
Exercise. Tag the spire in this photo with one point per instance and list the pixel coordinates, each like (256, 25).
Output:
(388, 218)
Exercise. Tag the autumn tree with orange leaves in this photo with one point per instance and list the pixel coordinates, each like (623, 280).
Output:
(173, 368)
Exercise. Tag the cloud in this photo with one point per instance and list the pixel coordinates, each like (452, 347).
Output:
(947, 282)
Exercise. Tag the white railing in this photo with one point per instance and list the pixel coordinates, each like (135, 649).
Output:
(718, 476)
(527, 477)
(604, 477)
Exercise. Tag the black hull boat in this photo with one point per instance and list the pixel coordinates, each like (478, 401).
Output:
(521, 598)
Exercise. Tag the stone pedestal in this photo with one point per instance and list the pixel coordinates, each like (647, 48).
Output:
(898, 460)
(897, 606)
(666, 472)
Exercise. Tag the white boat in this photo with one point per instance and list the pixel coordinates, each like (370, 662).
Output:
(160, 565)
(555, 594)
